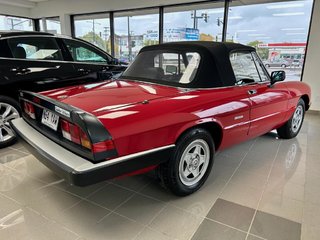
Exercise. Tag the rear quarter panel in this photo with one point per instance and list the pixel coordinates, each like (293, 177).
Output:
(296, 91)
(160, 122)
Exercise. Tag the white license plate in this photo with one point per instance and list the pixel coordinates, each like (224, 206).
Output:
(50, 119)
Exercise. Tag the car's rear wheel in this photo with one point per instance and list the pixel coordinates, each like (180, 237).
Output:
(283, 65)
(191, 163)
(292, 127)
(9, 109)
(267, 65)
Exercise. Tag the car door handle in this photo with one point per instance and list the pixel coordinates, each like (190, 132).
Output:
(20, 71)
(252, 92)
(84, 71)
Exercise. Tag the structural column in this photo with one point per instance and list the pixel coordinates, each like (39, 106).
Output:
(311, 69)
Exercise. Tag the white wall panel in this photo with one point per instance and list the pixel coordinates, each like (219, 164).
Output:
(312, 71)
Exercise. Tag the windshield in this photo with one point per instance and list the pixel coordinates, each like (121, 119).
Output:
(164, 67)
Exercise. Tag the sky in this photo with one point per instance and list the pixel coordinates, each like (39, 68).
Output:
(276, 22)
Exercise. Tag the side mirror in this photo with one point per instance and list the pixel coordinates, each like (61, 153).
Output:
(172, 69)
(277, 76)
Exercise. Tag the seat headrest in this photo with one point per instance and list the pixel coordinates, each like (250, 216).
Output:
(19, 52)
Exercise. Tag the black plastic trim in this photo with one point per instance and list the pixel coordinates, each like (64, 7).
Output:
(102, 173)
(87, 122)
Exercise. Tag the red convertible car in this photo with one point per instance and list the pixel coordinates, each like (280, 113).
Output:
(172, 109)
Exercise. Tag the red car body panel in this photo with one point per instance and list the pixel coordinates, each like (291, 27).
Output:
(142, 116)
(144, 120)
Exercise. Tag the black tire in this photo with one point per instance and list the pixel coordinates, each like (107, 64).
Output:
(169, 171)
(283, 66)
(267, 65)
(4, 100)
(290, 129)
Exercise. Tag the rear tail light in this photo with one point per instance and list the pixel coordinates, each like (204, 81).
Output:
(74, 134)
(29, 109)
(103, 146)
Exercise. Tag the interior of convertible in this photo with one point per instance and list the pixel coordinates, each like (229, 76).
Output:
(165, 66)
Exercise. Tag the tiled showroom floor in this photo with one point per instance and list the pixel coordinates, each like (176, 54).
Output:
(265, 188)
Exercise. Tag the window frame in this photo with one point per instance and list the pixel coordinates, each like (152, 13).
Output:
(63, 58)
(89, 46)
(250, 53)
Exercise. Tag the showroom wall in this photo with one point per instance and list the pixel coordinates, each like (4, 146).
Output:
(16, 11)
(311, 70)
(73, 7)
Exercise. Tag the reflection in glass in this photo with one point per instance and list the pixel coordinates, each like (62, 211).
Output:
(53, 25)
(94, 29)
(194, 22)
(278, 31)
(134, 30)
(15, 23)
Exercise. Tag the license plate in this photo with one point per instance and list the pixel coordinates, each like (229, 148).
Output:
(50, 119)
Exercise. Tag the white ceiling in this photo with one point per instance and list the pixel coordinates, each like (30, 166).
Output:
(22, 3)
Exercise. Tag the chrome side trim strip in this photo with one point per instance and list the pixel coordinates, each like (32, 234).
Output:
(90, 166)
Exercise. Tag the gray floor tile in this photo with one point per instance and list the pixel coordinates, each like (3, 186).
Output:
(8, 155)
(110, 196)
(134, 183)
(141, 209)
(242, 194)
(176, 223)
(148, 234)
(274, 228)
(82, 217)
(210, 230)
(251, 237)
(115, 227)
(231, 214)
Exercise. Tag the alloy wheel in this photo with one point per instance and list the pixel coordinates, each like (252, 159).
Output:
(297, 119)
(7, 113)
(194, 162)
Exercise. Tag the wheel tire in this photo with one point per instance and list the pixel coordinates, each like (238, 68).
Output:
(170, 173)
(267, 65)
(283, 66)
(15, 112)
(292, 127)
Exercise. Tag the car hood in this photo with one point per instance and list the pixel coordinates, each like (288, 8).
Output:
(99, 98)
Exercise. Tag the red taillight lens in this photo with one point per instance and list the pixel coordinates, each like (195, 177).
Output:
(29, 109)
(74, 134)
(103, 146)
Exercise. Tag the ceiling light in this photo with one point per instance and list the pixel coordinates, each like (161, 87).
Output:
(288, 14)
(281, 6)
(296, 34)
(235, 17)
(247, 30)
(215, 11)
(256, 34)
(292, 29)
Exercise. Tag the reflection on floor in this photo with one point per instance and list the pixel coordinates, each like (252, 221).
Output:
(265, 188)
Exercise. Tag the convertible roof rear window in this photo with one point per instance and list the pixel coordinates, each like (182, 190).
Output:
(163, 66)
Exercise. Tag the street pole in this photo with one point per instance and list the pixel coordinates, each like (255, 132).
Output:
(129, 40)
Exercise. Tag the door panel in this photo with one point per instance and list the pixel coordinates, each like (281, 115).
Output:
(36, 75)
(89, 62)
(269, 107)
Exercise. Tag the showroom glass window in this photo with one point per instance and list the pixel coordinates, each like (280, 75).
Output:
(94, 29)
(194, 22)
(134, 30)
(16, 23)
(278, 31)
(53, 25)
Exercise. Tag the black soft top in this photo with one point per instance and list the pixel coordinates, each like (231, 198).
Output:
(215, 69)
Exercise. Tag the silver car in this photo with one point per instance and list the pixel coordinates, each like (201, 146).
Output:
(277, 63)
